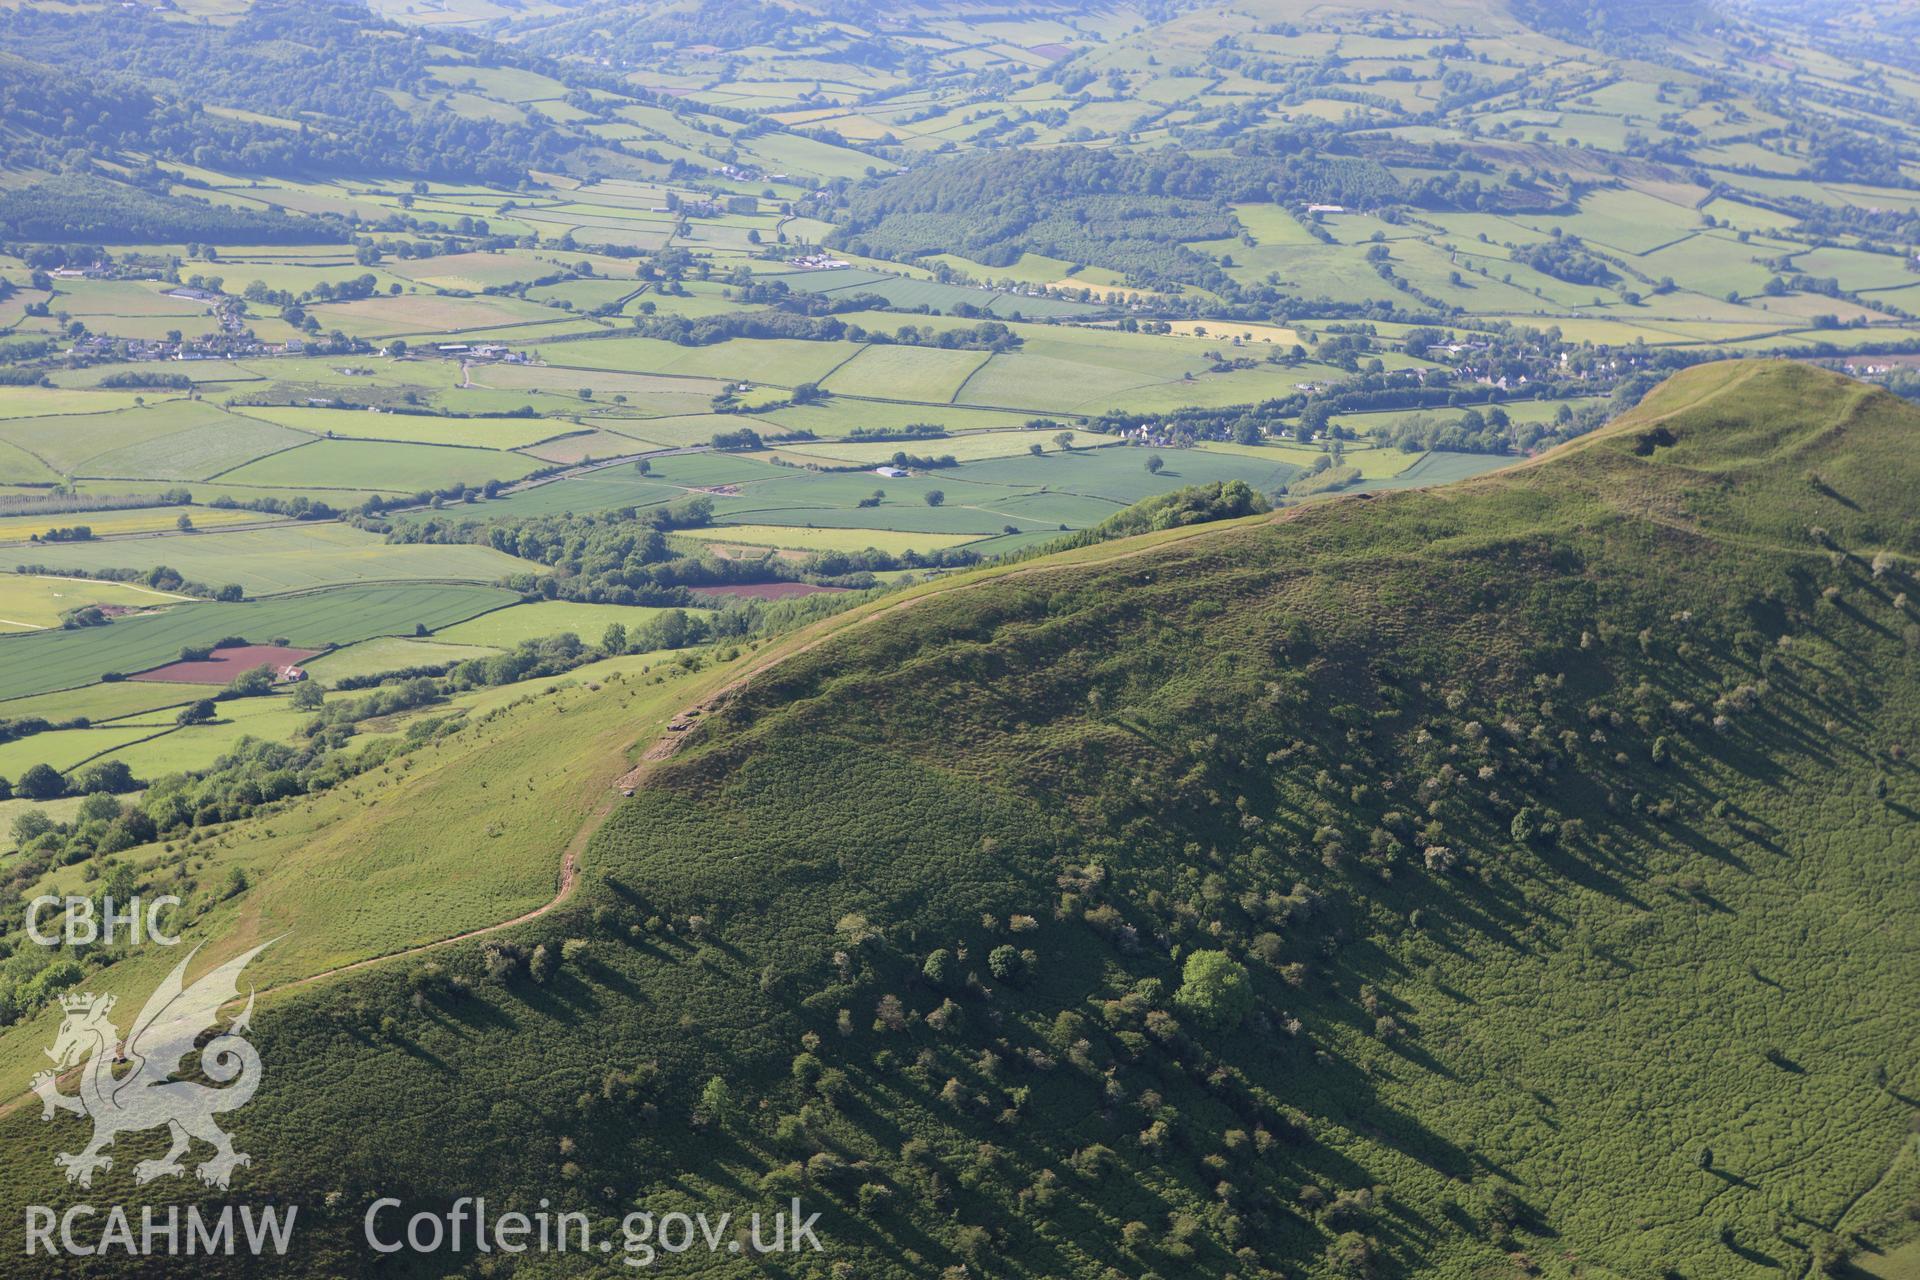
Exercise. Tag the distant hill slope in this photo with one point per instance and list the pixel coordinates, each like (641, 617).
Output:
(1550, 836)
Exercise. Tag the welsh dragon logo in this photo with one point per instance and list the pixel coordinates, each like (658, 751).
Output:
(134, 1088)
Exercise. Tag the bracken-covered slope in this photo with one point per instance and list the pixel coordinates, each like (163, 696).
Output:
(1556, 830)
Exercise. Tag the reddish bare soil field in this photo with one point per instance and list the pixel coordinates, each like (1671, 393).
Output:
(225, 664)
(764, 590)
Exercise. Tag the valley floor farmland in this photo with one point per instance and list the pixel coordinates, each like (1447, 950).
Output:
(1147, 641)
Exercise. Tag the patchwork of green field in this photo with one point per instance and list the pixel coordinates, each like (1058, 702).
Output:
(476, 271)
(673, 431)
(599, 490)
(1008, 490)
(1028, 269)
(170, 440)
(372, 465)
(197, 453)
(844, 415)
(1271, 225)
(427, 314)
(710, 470)
(532, 333)
(1438, 468)
(211, 491)
(1824, 341)
(413, 428)
(1033, 380)
(700, 299)
(967, 511)
(31, 602)
(586, 445)
(783, 362)
(1121, 476)
(573, 368)
(971, 447)
(1561, 185)
(287, 557)
(583, 294)
(1371, 462)
(106, 703)
(170, 748)
(906, 294)
(1363, 425)
(807, 538)
(67, 749)
(906, 373)
(128, 299)
(41, 662)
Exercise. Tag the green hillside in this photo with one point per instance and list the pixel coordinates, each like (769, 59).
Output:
(1508, 878)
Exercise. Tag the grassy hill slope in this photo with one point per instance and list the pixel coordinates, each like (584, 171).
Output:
(1556, 828)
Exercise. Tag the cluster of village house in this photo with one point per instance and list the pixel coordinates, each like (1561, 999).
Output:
(226, 348)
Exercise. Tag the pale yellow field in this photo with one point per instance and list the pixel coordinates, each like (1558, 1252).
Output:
(1102, 290)
(1227, 330)
(28, 603)
(131, 520)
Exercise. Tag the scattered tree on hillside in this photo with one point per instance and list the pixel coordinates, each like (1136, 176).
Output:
(1215, 989)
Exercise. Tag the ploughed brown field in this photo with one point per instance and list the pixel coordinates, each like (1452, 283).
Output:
(225, 664)
(764, 590)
